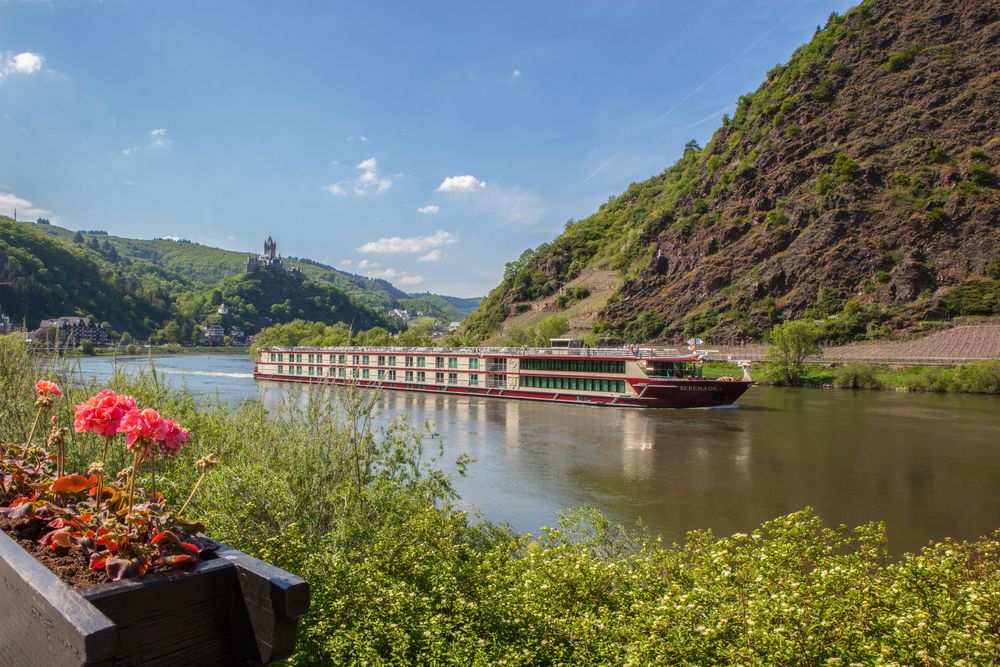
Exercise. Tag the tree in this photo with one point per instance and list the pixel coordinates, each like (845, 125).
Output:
(791, 343)
(78, 238)
(86, 347)
(692, 146)
(550, 327)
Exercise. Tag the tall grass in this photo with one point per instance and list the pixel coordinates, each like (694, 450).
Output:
(401, 575)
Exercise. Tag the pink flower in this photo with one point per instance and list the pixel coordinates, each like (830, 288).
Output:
(142, 427)
(44, 387)
(102, 413)
(172, 437)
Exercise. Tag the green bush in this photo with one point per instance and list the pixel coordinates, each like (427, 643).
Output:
(644, 327)
(980, 174)
(856, 376)
(900, 60)
(974, 297)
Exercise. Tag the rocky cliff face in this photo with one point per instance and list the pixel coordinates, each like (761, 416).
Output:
(862, 172)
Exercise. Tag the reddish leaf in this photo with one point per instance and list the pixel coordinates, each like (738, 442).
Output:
(73, 484)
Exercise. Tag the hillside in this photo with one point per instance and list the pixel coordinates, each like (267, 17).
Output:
(43, 275)
(41, 278)
(857, 184)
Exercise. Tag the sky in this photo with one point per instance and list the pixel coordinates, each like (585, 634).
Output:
(428, 143)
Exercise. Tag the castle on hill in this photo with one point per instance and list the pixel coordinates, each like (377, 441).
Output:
(269, 260)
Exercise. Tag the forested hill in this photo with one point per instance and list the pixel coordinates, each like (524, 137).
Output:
(165, 289)
(857, 185)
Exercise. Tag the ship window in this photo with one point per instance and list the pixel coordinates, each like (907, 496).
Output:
(473, 380)
(474, 364)
(421, 376)
(408, 362)
(452, 362)
(392, 376)
(392, 361)
(574, 365)
(452, 378)
(279, 368)
(329, 371)
(364, 373)
(421, 362)
(340, 372)
(340, 358)
(439, 378)
(298, 357)
(381, 360)
(281, 356)
(409, 376)
(310, 358)
(364, 360)
(438, 362)
(381, 374)
(354, 359)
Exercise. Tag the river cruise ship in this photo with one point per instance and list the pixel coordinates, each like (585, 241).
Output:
(621, 377)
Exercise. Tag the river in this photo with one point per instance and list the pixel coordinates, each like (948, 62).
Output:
(926, 464)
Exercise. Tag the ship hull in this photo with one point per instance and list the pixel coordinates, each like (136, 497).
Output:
(650, 394)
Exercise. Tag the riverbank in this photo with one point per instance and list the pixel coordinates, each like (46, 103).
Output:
(976, 377)
(400, 574)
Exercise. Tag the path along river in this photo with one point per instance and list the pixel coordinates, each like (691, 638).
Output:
(927, 465)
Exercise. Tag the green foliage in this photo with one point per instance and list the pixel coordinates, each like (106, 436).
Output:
(823, 92)
(993, 268)
(87, 348)
(974, 297)
(791, 342)
(901, 60)
(642, 328)
(980, 174)
(939, 155)
(857, 376)
(700, 324)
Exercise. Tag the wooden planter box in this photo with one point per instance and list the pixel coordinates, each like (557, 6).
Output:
(231, 610)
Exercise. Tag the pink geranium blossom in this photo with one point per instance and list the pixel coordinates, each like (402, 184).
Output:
(45, 387)
(102, 413)
(172, 437)
(141, 428)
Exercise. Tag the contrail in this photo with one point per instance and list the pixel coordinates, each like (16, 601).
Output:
(726, 66)
(711, 116)
(601, 168)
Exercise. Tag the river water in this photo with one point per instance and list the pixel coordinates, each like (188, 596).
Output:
(928, 465)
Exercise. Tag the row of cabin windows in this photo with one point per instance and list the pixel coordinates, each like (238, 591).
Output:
(573, 365)
(573, 384)
(383, 360)
(390, 375)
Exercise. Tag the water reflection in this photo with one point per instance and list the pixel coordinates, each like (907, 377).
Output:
(927, 465)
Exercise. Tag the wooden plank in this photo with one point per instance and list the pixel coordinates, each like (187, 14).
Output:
(182, 618)
(273, 600)
(44, 621)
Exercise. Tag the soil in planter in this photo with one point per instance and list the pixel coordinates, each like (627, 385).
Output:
(67, 564)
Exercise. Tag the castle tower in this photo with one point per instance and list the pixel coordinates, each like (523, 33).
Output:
(270, 248)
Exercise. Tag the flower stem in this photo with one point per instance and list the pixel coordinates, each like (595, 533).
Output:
(131, 481)
(193, 490)
(100, 475)
(31, 434)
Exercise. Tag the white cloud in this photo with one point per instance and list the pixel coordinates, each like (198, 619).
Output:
(157, 139)
(370, 181)
(171, 237)
(415, 244)
(516, 73)
(346, 262)
(25, 210)
(363, 139)
(402, 277)
(367, 264)
(432, 256)
(430, 209)
(21, 63)
(467, 183)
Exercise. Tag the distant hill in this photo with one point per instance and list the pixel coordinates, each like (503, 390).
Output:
(41, 277)
(207, 266)
(858, 185)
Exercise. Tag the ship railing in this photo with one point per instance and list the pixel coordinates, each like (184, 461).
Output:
(496, 367)
(604, 352)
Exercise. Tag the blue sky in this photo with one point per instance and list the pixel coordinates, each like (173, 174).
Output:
(425, 142)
